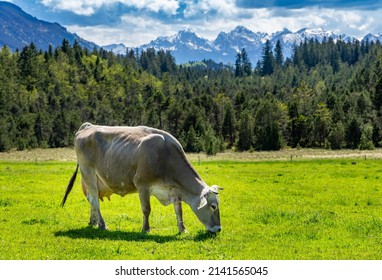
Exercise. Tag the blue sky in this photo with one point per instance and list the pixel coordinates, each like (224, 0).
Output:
(135, 22)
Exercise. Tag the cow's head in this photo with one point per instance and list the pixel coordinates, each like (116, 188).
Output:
(207, 209)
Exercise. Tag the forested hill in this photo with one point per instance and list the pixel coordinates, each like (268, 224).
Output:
(329, 95)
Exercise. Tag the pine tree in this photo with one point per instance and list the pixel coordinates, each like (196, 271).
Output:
(353, 133)
(246, 63)
(238, 65)
(378, 94)
(243, 66)
(279, 58)
(366, 141)
(337, 136)
(229, 125)
(246, 128)
(267, 60)
(211, 143)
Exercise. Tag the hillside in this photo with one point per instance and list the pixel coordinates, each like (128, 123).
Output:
(18, 29)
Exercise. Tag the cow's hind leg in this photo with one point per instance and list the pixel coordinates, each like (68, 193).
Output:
(93, 214)
(90, 188)
(144, 197)
(179, 216)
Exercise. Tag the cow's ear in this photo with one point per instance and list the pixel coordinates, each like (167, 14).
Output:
(203, 202)
(215, 189)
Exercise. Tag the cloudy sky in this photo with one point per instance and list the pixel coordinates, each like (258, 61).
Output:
(135, 22)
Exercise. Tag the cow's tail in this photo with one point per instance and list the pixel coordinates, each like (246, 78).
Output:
(70, 186)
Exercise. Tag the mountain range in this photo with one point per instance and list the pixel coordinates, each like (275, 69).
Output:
(18, 29)
(187, 46)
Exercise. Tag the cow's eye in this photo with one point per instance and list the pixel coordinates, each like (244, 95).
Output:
(214, 207)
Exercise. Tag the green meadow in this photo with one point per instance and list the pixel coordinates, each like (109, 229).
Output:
(270, 210)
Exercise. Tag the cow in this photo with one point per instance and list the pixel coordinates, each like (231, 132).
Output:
(151, 162)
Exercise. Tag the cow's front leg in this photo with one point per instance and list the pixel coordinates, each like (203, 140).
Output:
(179, 216)
(146, 210)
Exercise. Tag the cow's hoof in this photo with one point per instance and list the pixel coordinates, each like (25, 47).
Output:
(182, 230)
(93, 223)
(145, 230)
(103, 227)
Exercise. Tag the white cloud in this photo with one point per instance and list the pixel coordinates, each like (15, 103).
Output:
(85, 8)
(101, 34)
(89, 7)
(203, 7)
(209, 17)
(351, 22)
(168, 6)
(143, 29)
(134, 31)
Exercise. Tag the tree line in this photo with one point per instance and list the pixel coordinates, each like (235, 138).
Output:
(327, 95)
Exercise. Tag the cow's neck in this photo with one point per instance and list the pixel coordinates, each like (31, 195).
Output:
(187, 180)
(190, 188)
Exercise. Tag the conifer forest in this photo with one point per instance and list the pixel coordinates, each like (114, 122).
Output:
(326, 95)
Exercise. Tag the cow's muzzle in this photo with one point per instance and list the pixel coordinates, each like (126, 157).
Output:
(215, 229)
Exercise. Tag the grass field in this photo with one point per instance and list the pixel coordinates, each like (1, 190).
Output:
(270, 209)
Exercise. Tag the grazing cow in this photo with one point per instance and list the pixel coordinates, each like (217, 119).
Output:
(125, 160)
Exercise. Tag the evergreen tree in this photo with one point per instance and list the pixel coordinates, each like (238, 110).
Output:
(337, 136)
(279, 58)
(5, 139)
(322, 123)
(238, 65)
(366, 141)
(267, 60)
(243, 66)
(267, 125)
(192, 142)
(246, 63)
(229, 125)
(28, 66)
(211, 143)
(378, 94)
(353, 133)
(246, 131)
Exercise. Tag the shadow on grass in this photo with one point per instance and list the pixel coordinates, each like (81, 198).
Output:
(94, 233)
(205, 235)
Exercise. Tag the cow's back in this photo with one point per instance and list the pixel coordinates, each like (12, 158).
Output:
(123, 155)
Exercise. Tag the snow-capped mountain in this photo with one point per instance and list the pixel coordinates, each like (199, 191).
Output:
(373, 37)
(227, 45)
(187, 46)
(187, 38)
(289, 39)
